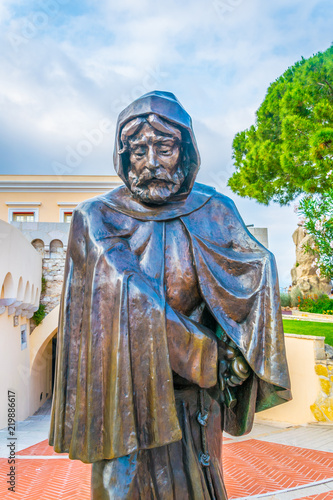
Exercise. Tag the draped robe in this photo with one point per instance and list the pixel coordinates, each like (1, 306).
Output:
(121, 342)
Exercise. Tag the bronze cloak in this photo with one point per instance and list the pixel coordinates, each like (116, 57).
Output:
(114, 391)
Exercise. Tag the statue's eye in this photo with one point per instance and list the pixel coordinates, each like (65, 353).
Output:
(165, 151)
(139, 153)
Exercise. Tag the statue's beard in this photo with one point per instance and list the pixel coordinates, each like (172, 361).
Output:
(155, 186)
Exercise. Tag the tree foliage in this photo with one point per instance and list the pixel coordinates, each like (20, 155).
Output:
(289, 150)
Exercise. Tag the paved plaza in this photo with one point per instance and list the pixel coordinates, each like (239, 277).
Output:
(280, 462)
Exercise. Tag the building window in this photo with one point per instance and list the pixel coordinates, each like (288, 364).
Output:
(23, 217)
(66, 214)
(23, 337)
(23, 214)
(68, 217)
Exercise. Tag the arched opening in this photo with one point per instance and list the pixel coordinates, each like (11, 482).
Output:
(9, 288)
(27, 293)
(32, 296)
(39, 246)
(42, 359)
(8, 291)
(43, 373)
(20, 289)
(56, 249)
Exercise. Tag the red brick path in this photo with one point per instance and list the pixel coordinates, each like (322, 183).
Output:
(255, 467)
(251, 467)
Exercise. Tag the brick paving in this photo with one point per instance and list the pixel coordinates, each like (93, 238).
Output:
(252, 467)
(256, 467)
(41, 448)
(43, 479)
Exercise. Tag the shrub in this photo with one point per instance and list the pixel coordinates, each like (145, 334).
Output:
(313, 303)
(285, 299)
(39, 315)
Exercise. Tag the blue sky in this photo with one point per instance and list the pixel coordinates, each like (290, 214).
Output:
(68, 66)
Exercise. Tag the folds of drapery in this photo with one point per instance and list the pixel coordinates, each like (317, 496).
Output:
(114, 388)
(238, 280)
(114, 391)
(118, 340)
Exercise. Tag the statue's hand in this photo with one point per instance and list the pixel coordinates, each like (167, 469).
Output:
(240, 371)
(233, 367)
(233, 370)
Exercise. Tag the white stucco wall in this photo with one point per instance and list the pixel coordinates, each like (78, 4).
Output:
(20, 272)
(20, 283)
(14, 368)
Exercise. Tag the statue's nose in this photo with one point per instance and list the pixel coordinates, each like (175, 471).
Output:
(152, 159)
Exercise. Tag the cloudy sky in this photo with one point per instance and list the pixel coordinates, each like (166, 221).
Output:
(68, 67)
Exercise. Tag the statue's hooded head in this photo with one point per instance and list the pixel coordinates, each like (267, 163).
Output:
(155, 153)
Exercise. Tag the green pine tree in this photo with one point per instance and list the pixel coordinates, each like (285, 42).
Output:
(289, 150)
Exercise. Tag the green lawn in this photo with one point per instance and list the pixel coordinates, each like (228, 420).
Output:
(310, 328)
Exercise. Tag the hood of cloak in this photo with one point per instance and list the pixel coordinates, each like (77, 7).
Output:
(167, 107)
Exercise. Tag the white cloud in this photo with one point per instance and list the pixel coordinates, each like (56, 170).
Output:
(89, 60)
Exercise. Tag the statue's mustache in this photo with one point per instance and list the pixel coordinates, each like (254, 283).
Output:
(159, 174)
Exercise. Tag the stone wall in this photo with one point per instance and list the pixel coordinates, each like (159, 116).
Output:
(53, 273)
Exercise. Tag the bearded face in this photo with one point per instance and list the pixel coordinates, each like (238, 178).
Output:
(155, 169)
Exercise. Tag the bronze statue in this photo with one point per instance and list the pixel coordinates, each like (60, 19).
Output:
(170, 328)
